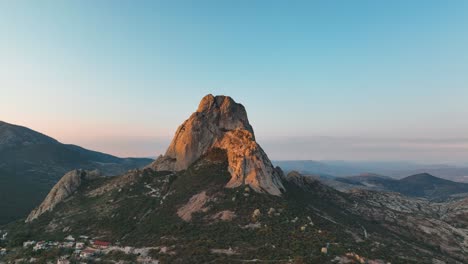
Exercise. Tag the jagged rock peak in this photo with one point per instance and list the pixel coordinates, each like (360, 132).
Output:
(63, 189)
(220, 122)
(228, 114)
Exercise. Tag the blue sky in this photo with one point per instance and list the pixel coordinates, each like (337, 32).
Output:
(363, 79)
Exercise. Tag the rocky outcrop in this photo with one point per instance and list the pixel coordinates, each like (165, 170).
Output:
(225, 215)
(64, 188)
(299, 179)
(220, 122)
(195, 204)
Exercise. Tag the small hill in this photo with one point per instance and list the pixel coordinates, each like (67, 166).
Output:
(31, 163)
(426, 185)
(425, 180)
(419, 185)
(394, 169)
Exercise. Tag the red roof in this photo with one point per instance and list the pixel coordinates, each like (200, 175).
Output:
(101, 243)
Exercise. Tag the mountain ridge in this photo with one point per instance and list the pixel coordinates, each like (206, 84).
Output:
(422, 185)
(394, 169)
(11, 135)
(31, 163)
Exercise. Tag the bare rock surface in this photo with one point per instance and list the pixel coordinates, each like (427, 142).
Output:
(195, 204)
(220, 122)
(64, 188)
(225, 215)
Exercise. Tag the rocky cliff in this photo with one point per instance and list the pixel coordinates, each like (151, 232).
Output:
(69, 183)
(222, 123)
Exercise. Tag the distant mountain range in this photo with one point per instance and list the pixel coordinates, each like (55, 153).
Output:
(31, 163)
(392, 169)
(419, 185)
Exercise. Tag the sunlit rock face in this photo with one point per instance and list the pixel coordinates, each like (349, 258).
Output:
(222, 123)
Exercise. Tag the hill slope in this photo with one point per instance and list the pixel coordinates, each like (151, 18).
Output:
(31, 163)
(193, 216)
(426, 185)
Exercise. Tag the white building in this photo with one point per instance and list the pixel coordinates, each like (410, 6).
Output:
(87, 253)
(63, 261)
(39, 246)
(29, 243)
(68, 244)
(79, 245)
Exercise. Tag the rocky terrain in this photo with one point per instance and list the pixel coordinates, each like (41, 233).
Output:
(419, 219)
(31, 163)
(186, 208)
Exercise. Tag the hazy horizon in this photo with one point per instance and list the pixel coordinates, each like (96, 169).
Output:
(320, 80)
(323, 148)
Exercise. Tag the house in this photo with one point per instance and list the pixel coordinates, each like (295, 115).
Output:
(28, 243)
(101, 244)
(84, 237)
(324, 250)
(3, 251)
(70, 238)
(53, 243)
(79, 245)
(63, 260)
(87, 253)
(39, 246)
(68, 244)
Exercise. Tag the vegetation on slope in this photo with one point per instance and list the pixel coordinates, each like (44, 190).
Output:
(140, 209)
